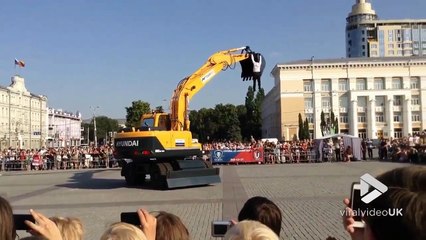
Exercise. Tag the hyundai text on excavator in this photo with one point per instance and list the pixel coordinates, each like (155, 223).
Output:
(163, 147)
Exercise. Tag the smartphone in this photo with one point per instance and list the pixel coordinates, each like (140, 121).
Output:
(357, 205)
(219, 228)
(19, 221)
(130, 217)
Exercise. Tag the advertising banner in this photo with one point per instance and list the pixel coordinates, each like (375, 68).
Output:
(237, 156)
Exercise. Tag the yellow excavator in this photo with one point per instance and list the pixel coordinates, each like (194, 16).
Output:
(162, 147)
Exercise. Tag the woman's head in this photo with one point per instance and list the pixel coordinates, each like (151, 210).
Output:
(7, 228)
(249, 229)
(123, 231)
(263, 210)
(170, 227)
(70, 228)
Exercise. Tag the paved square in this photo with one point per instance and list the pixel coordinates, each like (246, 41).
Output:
(310, 196)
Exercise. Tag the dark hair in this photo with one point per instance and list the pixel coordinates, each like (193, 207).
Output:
(7, 227)
(406, 191)
(170, 227)
(263, 210)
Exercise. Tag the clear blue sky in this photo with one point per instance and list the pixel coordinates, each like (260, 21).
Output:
(109, 53)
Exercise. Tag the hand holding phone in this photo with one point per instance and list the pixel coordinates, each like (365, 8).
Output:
(219, 228)
(131, 218)
(19, 221)
(357, 205)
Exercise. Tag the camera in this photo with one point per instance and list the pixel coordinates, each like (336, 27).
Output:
(219, 228)
(131, 218)
(19, 221)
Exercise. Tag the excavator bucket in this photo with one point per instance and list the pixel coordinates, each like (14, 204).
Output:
(192, 173)
(247, 66)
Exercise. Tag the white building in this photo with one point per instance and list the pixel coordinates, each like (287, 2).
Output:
(64, 128)
(367, 36)
(23, 117)
(371, 97)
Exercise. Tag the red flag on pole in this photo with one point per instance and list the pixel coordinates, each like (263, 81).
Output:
(20, 63)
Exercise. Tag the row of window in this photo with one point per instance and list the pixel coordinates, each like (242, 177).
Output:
(380, 118)
(362, 133)
(361, 84)
(326, 102)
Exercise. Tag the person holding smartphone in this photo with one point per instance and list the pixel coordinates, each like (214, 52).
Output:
(406, 191)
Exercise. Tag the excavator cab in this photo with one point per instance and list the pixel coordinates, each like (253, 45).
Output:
(156, 121)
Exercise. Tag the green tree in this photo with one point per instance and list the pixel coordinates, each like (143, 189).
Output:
(306, 129)
(336, 125)
(159, 109)
(228, 124)
(301, 128)
(329, 125)
(104, 126)
(135, 112)
(253, 124)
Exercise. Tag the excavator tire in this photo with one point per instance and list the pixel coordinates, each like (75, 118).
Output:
(130, 174)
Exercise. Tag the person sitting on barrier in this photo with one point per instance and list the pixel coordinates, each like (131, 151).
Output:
(406, 191)
(263, 210)
(347, 156)
(7, 228)
(70, 228)
(250, 230)
(170, 227)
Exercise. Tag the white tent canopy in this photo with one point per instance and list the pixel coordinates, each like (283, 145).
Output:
(348, 140)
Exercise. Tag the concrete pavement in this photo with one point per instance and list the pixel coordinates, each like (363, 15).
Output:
(310, 196)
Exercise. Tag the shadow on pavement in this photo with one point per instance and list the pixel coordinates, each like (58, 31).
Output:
(87, 180)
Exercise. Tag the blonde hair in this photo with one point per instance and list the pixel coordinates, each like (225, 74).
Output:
(250, 230)
(70, 228)
(123, 231)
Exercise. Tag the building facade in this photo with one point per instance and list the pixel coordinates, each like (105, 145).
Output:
(367, 36)
(23, 117)
(371, 97)
(64, 128)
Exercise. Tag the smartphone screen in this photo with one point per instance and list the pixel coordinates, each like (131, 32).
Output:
(356, 204)
(130, 217)
(19, 221)
(219, 228)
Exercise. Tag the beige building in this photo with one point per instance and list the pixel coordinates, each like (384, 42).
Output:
(23, 116)
(371, 97)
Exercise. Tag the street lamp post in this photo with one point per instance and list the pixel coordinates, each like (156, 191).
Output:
(94, 125)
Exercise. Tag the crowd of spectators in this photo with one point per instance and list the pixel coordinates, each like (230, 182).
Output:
(259, 218)
(57, 158)
(406, 149)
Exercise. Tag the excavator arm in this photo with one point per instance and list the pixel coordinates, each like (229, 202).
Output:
(192, 84)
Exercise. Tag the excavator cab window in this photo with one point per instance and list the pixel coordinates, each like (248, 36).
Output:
(148, 122)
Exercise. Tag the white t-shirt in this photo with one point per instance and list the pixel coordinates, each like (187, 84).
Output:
(256, 65)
